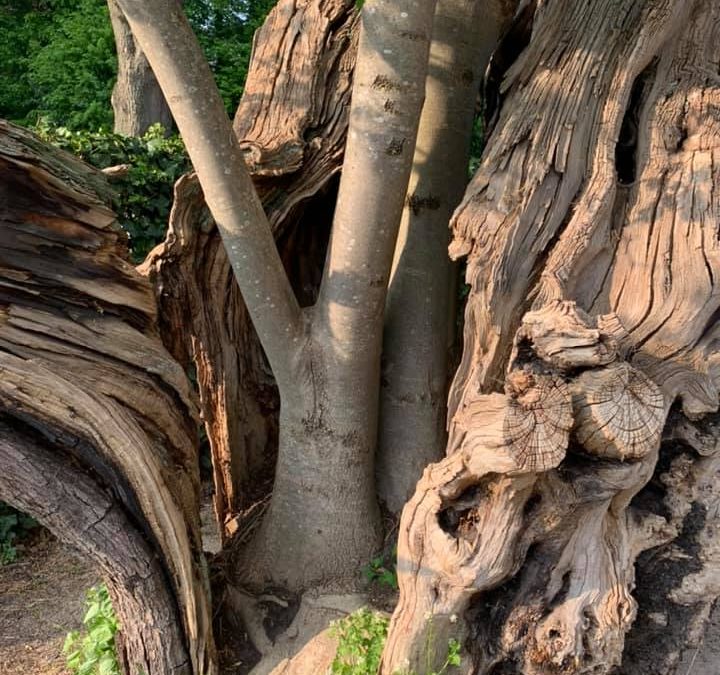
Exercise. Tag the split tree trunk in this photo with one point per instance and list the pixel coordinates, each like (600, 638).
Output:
(97, 421)
(137, 100)
(591, 235)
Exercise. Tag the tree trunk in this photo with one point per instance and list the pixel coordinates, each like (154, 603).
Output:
(592, 258)
(137, 100)
(293, 169)
(89, 396)
(421, 312)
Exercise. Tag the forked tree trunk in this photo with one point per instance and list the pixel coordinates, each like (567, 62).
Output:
(203, 316)
(97, 421)
(326, 358)
(591, 235)
(137, 100)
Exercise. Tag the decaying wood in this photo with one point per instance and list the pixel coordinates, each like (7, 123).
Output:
(84, 373)
(476, 515)
(68, 502)
(203, 316)
(591, 235)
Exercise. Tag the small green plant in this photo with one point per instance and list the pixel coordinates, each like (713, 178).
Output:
(382, 570)
(92, 652)
(452, 658)
(14, 526)
(361, 637)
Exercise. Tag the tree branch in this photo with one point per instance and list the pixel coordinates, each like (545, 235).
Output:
(166, 38)
(388, 93)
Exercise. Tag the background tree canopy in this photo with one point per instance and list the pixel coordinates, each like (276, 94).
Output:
(60, 63)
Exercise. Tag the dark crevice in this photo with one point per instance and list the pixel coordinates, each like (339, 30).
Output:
(626, 159)
(509, 48)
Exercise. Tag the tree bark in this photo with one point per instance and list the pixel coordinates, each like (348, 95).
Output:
(89, 396)
(137, 99)
(293, 170)
(328, 437)
(420, 317)
(596, 192)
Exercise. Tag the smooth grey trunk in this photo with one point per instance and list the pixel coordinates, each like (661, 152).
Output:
(326, 361)
(421, 311)
(323, 522)
(324, 506)
(137, 99)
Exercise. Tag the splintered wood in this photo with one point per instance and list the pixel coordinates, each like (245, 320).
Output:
(89, 395)
(591, 236)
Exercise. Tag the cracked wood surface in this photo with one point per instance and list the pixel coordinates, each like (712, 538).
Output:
(591, 235)
(82, 368)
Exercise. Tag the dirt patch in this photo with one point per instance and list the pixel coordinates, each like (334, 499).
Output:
(41, 599)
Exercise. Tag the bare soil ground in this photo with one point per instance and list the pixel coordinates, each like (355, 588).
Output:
(41, 600)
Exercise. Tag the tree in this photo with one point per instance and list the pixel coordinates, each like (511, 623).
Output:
(582, 445)
(137, 100)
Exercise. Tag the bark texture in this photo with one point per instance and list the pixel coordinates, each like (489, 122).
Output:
(137, 99)
(89, 395)
(590, 231)
(421, 311)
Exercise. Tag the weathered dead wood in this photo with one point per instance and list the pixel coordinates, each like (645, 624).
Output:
(599, 186)
(82, 368)
(39, 480)
(499, 507)
(559, 122)
(203, 320)
(293, 162)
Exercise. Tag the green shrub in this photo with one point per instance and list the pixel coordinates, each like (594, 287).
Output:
(361, 637)
(14, 525)
(382, 570)
(143, 195)
(92, 652)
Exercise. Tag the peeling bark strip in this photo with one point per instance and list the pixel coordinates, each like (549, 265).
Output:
(538, 561)
(291, 167)
(82, 370)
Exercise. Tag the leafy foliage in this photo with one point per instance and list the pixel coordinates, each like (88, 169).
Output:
(93, 651)
(14, 525)
(361, 637)
(144, 194)
(382, 570)
(61, 63)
